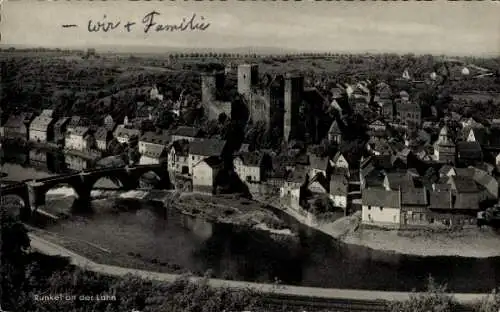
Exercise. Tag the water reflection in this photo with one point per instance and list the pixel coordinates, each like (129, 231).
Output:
(238, 253)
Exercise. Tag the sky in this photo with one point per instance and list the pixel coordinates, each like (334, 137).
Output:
(458, 28)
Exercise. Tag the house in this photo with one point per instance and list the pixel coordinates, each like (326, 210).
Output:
(185, 133)
(414, 206)
(38, 158)
(447, 171)
(377, 125)
(153, 139)
(123, 134)
(76, 163)
(203, 148)
(399, 180)
(294, 180)
(340, 164)
(381, 207)
(334, 133)
(443, 210)
(79, 139)
(408, 113)
(41, 129)
(102, 137)
(60, 128)
(479, 135)
(318, 184)
(153, 154)
(444, 148)
(15, 127)
(109, 123)
(74, 122)
(469, 153)
(317, 164)
(178, 157)
(205, 174)
(249, 167)
(339, 186)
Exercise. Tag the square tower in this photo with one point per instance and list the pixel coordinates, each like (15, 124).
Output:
(294, 89)
(248, 78)
(211, 85)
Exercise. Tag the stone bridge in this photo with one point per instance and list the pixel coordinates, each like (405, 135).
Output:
(33, 192)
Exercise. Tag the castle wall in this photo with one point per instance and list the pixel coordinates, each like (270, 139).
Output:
(294, 88)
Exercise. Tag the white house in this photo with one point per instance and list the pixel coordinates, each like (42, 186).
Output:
(205, 173)
(123, 134)
(248, 167)
(381, 207)
(153, 155)
(338, 190)
(178, 157)
(200, 149)
(79, 139)
(153, 139)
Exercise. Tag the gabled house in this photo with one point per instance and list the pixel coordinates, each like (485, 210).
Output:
(334, 133)
(154, 140)
(250, 166)
(15, 128)
(408, 112)
(414, 206)
(339, 188)
(153, 154)
(479, 135)
(41, 129)
(60, 128)
(318, 164)
(340, 165)
(185, 133)
(178, 157)
(469, 153)
(381, 207)
(203, 148)
(205, 173)
(103, 137)
(80, 139)
(444, 148)
(123, 134)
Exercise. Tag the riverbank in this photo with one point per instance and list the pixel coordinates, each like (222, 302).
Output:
(470, 242)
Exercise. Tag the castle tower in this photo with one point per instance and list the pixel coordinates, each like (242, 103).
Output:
(294, 89)
(444, 148)
(248, 78)
(211, 84)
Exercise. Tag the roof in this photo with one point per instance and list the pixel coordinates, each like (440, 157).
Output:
(338, 185)
(81, 131)
(464, 172)
(464, 184)
(61, 122)
(407, 106)
(440, 200)
(181, 147)
(298, 175)
(251, 159)
(155, 138)
(121, 131)
(186, 131)
(334, 128)
(469, 150)
(445, 169)
(212, 161)
(207, 147)
(487, 181)
(74, 121)
(40, 123)
(416, 196)
(399, 180)
(101, 133)
(317, 162)
(380, 197)
(480, 134)
(14, 121)
(467, 201)
(154, 150)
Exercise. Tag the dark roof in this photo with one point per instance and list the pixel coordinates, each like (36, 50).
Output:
(181, 147)
(122, 131)
(469, 150)
(14, 121)
(213, 161)
(380, 197)
(317, 162)
(338, 185)
(207, 147)
(416, 196)
(440, 200)
(400, 180)
(101, 133)
(250, 158)
(298, 175)
(155, 138)
(464, 184)
(465, 172)
(186, 131)
(80, 131)
(74, 121)
(466, 201)
(62, 122)
(154, 151)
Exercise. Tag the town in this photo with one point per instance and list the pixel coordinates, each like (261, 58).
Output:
(364, 146)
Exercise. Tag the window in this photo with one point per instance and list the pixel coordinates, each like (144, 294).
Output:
(192, 157)
(369, 207)
(381, 208)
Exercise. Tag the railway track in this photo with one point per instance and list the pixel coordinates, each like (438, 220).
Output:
(278, 302)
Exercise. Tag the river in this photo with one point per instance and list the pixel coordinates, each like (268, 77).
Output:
(313, 260)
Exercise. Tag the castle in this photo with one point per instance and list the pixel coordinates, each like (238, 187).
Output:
(274, 100)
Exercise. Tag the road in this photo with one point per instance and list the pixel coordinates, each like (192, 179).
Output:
(50, 248)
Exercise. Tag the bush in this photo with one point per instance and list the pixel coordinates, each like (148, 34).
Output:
(490, 303)
(435, 299)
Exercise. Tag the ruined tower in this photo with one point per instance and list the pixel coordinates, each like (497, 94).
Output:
(211, 85)
(294, 89)
(248, 78)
